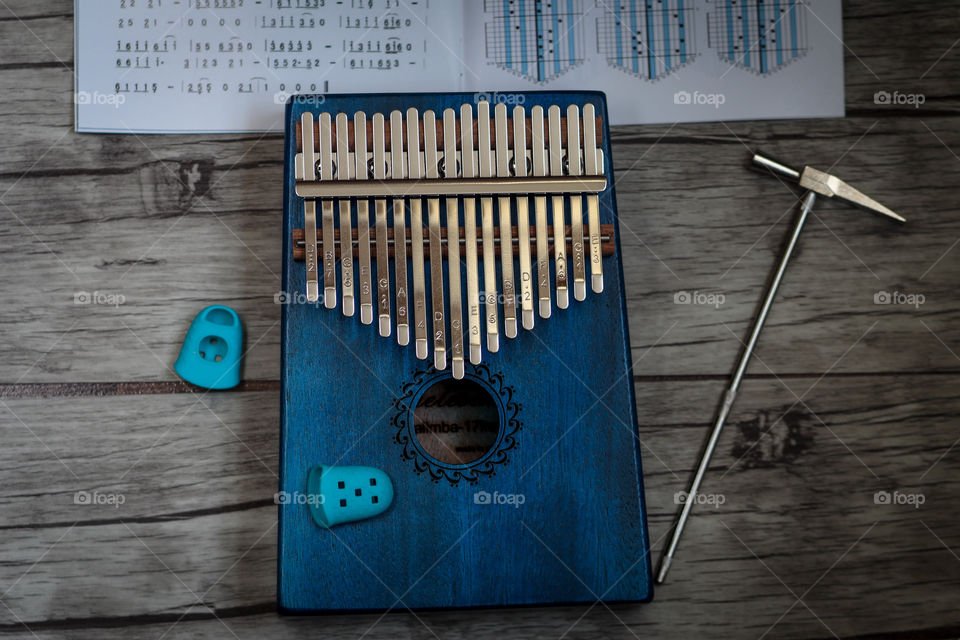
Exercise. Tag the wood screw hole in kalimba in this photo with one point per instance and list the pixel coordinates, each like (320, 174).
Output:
(458, 166)
(403, 167)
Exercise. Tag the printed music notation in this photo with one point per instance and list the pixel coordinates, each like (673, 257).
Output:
(229, 65)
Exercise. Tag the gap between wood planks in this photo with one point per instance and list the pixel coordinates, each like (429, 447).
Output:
(165, 517)
(270, 608)
(160, 387)
(141, 620)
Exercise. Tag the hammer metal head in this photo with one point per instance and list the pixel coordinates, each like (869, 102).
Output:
(824, 184)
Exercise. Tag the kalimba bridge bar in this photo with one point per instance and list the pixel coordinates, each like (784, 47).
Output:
(606, 241)
(478, 176)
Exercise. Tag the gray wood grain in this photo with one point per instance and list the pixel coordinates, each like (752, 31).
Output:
(686, 225)
(211, 204)
(174, 223)
(799, 492)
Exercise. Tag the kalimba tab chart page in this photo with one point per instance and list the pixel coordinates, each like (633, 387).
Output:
(157, 66)
(229, 65)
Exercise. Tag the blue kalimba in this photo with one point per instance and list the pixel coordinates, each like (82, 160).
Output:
(458, 419)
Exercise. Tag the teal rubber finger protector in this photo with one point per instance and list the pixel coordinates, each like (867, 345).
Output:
(210, 356)
(347, 494)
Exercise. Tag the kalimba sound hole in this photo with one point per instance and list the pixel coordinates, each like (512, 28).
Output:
(456, 421)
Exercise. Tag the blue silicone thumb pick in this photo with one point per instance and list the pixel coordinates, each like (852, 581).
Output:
(210, 356)
(347, 494)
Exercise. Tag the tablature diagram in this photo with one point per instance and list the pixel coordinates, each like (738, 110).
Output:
(536, 39)
(761, 36)
(647, 38)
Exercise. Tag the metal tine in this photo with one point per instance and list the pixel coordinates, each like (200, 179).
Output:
(591, 168)
(506, 224)
(415, 168)
(363, 218)
(380, 209)
(398, 172)
(576, 204)
(329, 246)
(453, 244)
(523, 217)
(469, 170)
(345, 172)
(539, 156)
(486, 215)
(309, 209)
(559, 228)
(432, 162)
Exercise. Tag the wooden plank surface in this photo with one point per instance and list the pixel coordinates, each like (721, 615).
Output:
(138, 235)
(173, 223)
(795, 501)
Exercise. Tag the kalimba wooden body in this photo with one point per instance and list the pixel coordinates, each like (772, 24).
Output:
(519, 483)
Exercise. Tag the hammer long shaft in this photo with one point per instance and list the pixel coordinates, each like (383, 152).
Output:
(731, 392)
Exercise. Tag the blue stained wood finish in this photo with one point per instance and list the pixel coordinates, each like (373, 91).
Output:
(567, 443)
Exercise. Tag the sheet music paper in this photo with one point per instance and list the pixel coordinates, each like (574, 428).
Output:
(155, 66)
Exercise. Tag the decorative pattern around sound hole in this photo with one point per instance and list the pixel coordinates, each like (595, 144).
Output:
(456, 430)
